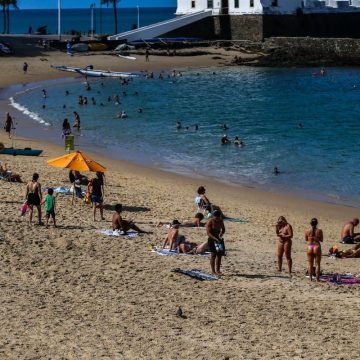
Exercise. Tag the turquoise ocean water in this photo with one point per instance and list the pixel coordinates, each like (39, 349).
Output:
(80, 19)
(264, 107)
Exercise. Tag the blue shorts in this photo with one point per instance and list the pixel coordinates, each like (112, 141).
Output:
(96, 199)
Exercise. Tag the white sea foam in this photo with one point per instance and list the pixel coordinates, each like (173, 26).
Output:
(27, 112)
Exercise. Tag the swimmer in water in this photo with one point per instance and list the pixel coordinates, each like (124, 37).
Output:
(117, 100)
(224, 127)
(44, 93)
(276, 171)
(178, 125)
(224, 140)
(67, 92)
(140, 110)
(93, 101)
(238, 142)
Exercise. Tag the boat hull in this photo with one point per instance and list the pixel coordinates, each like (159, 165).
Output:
(23, 152)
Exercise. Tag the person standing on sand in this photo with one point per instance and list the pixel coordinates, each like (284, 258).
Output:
(9, 124)
(25, 67)
(284, 232)
(147, 55)
(96, 194)
(33, 197)
(76, 121)
(347, 233)
(314, 237)
(50, 206)
(215, 229)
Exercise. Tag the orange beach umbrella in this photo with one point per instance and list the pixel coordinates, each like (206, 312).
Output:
(77, 161)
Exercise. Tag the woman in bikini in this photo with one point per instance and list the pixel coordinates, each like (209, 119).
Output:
(34, 197)
(314, 237)
(284, 232)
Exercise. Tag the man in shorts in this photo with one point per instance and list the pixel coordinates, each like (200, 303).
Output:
(347, 233)
(118, 223)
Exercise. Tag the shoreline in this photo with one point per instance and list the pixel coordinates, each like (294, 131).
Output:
(44, 133)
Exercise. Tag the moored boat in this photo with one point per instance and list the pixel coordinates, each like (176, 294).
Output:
(106, 73)
(17, 151)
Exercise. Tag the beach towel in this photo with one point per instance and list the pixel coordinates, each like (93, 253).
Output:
(59, 189)
(117, 233)
(196, 274)
(168, 252)
(238, 220)
(340, 279)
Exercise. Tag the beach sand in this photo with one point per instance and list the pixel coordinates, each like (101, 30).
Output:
(72, 293)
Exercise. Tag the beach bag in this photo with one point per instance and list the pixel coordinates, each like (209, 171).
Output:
(24, 208)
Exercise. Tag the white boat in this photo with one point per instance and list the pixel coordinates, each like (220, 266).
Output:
(106, 73)
(127, 57)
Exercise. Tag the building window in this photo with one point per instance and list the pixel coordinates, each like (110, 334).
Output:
(210, 4)
(193, 5)
(251, 3)
(274, 3)
(236, 4)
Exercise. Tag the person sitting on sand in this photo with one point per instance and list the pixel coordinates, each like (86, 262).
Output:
(354, 252)
(9, 175)
(215, 229)
(186, 247)
(204, 203)
(172, 235)
(314, 237)
(347, 233)
(118, 223)
(285, 233)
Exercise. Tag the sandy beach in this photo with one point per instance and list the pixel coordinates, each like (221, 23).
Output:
(73, 293)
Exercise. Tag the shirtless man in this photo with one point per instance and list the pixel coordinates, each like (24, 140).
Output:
(215, 228)
(347, 233)
(118, 223)
(172, 236)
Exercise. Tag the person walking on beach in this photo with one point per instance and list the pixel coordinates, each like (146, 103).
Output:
(33, 197)
(215, 229)
(147, 55)
(314, 237)
(50, 206)
(25, 67)
(66, 130)
(284, 232)
(9, 124)
(348, 236)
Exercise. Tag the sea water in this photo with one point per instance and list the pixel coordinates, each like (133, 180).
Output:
(305, 124)
(80, 19)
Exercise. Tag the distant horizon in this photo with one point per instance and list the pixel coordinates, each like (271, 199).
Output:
(85, 4)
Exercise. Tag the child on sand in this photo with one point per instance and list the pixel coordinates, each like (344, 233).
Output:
(50, 206)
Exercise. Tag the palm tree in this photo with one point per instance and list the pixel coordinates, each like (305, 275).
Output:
(13, 3)
(3, 5)
(113, 2)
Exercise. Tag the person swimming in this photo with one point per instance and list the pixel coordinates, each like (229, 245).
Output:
(224, 127)
(178, 125)
(224, 140)
(276, 170)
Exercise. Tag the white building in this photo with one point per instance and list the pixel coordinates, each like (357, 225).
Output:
(241, 7)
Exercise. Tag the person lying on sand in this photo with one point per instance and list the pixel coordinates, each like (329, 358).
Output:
(347, 233)
(354, 252)
(186, 247)
(196, 222)
(118, 223)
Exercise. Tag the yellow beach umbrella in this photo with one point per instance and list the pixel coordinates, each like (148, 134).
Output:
(77, 161)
